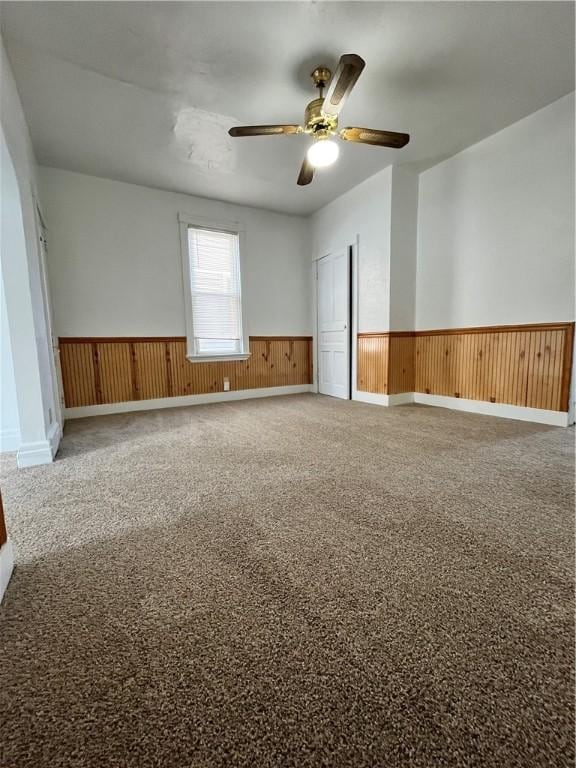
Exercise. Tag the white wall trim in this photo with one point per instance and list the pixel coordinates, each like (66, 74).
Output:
(178, 402)
(354, 317)
(520, 413)
(537, 415)
(386, 400)
(218, 358)
(572, 395)
(233, 227)
(9, 440)
(315, 379)
(54, 437)
(33, 454)
(42, 451)
(402, 398)
(371, 397)
(6, 566)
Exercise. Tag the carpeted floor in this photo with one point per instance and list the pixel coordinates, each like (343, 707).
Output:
(291, 582)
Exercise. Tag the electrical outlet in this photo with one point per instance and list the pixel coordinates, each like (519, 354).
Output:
(226, 384)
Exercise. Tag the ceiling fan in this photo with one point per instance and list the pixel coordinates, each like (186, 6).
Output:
(321, 119)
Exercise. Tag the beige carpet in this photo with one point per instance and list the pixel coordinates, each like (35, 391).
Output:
(288, 582)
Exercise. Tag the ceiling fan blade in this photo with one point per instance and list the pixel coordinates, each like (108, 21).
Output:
(264, 130)
(347, 73)
(306, 173)
(372, 136)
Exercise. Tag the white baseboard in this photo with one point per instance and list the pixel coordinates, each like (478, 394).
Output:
(177, 402)
(371, 397)
(401, 399)
(54, 437)
(388, 400)
(9, 440)
(6, 566)
(40, 452)
(537, 415)
(32, 454)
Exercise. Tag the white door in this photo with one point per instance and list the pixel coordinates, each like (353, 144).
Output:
(334, 324)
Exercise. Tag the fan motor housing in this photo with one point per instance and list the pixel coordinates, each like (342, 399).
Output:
(316, 121)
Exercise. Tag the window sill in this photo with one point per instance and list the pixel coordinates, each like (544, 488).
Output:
(217, 358)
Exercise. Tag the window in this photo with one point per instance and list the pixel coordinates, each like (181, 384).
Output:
(214, 300)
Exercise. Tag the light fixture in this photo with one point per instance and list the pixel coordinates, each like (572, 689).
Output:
(322, 153)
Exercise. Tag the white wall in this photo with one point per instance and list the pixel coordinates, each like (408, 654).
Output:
(9, 422)
(115, 264)
(364, 213)
(403, 249)
(496, 228)
(31, 347)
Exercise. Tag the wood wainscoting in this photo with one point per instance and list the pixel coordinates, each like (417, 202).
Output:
(3, 532)
(386, 362)
(6, 554)
(114, 370)
(525, 365)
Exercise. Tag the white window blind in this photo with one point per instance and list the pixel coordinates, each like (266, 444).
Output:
(215, 287)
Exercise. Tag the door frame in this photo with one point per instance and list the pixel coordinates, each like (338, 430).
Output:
(57, 387)
(353, 315)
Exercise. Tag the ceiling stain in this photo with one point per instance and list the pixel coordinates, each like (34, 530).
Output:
(201, 138)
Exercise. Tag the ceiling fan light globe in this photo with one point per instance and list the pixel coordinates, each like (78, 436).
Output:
(323, 153)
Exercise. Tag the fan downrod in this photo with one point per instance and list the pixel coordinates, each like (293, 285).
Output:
(315, 121)
(321, 77)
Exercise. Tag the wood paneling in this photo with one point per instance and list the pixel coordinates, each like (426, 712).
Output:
(113, 370)
(386, 363)
(114, 367)
(373, 363)
(78, 374)
(518, 365)
(401, 364)
(3, 533)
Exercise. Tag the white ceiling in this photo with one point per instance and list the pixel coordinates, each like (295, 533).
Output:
(145, 92)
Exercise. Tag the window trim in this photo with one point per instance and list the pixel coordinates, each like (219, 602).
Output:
(236, 228)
